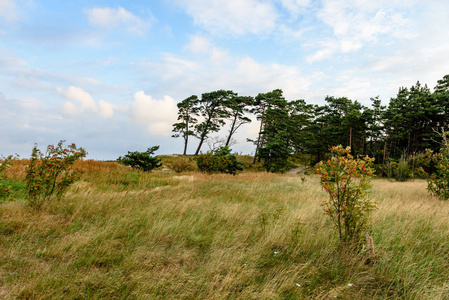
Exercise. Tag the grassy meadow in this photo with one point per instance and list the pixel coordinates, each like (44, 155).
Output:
(123, 234)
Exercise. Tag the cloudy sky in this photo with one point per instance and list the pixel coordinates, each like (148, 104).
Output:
(107, 74)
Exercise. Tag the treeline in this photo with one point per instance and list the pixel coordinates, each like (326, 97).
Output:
(406, 126)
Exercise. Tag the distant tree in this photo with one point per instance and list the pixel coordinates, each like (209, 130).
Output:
(260, 106)
(374, 128)
(215, 142)
(441, 96)
(237, 107)
(187, 110)
(317, 140)
(141, 160)
(211, 108)
(301, 115)
(442, 86)
(409, 120)
(277, 134)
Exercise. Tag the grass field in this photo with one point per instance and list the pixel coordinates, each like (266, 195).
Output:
(122, 234)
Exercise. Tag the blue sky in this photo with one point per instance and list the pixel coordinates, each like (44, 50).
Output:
(107, 74)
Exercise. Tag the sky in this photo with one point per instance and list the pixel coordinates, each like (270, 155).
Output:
(107, 75)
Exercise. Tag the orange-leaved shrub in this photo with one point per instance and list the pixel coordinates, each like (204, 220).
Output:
(346, 180)
(5, 190)
(52, 172)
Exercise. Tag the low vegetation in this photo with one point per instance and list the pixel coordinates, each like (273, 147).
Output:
(52, 173)
(347, 180)
(121, 233)
(5, 189)
(141, 160)
(220, 160)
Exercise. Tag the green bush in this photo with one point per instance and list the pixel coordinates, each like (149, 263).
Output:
(399, 171)
(5, 190)
(402, 171)
(181, 165)
(346, 180)
(141, 160)
(438, 182)
(219, 161)
(52, 173)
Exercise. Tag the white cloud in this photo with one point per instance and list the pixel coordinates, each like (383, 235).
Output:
(70, 109)
(243, 75)
(331, 47)
(8, 10)
(30, 103)
(9, 60)
(201, 45)
(356, 23)
(110, 18)
(103, 108)
(362, 19)
(349, 46)
(235, 17)
(80, 95)
(158, 115)
(321, 55)
(198, 44)
(295, 6)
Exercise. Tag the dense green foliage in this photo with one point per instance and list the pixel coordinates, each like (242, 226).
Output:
(275, 147)
(438, 183)
(219, 161)
(393, 134)
(141, 160)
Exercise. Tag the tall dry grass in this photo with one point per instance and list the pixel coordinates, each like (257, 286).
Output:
(122, 234)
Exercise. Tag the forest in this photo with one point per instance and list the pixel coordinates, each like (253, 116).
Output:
(406, 126)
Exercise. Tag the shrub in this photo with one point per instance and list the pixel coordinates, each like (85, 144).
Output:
(181, 165)
(52, 173)
(438, 182)
(399, 171)
(422, 164)
(5, 190)
(219, 161)
(402, 171)
(141, 160)
(346, 180)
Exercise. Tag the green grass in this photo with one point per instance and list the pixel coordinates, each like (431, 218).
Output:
(122, 234)
(17, 188)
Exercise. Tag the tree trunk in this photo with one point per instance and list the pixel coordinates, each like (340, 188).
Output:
(203, 135)
(350, 138)
(199, 146)
(258, 139)
(231, 131)
(408, 145)
(186, 139)
(185, 145)
(385, 153)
